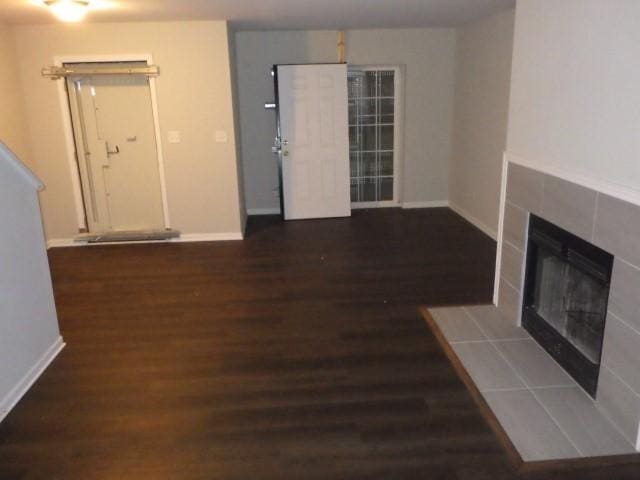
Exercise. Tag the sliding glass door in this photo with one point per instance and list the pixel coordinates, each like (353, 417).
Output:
(373, 135)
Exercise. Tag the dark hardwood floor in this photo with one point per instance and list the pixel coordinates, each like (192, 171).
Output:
(298, 353)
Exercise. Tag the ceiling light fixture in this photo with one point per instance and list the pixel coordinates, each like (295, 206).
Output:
(68, 10)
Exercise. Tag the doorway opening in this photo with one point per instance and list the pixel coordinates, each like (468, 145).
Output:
(374, 136)
(114, 128)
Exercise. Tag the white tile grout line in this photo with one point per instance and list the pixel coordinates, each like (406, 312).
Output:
(635, 267)
(463, 342)
(549, 387)
(532, 389)
(608, 417)
(504, 340)
(553, 419)
(635, 330)
(620, 379)
(605, 414)
(595, 217)
(513, 389)
(537, 400)
(509, 284)
(507, 242)
(475, 322)
(479, 325)
(536, 344)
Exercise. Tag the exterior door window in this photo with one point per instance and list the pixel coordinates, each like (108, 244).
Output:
(372, 135)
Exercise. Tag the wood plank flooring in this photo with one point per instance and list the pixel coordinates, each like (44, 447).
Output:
(298, 353)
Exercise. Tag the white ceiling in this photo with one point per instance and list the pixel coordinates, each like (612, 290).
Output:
(274, 14)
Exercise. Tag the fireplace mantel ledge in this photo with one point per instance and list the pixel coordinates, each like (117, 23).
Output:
(616, 190)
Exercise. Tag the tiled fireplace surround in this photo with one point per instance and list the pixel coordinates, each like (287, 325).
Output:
(609, 223)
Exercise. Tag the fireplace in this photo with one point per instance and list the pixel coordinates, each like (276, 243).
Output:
(566, 291)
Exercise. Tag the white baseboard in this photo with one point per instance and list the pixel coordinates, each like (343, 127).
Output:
(208, 237)
(263, 211)
(13, 397)
(62, 242)
(185, 237)
(474, 221)
(427, 204)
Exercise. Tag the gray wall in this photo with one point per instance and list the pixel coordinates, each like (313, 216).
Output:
(29, 334)
(483, 74)
(427, 56)
(575, 101)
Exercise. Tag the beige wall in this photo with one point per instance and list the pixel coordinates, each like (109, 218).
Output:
(575, 96)
(194, 97)
(13, 132)
(427, 56)
(483, 73)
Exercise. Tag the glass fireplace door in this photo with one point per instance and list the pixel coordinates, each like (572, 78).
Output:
(565, 299)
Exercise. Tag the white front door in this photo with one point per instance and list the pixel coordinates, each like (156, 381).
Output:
(312, 102)
(116, 145)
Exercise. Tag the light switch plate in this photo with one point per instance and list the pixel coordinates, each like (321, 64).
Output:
(173, 136)
(221, 136)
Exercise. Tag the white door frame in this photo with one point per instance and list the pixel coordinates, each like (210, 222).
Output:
(70, 141)
(398, 153)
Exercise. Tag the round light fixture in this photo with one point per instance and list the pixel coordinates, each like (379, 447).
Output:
(68, 10)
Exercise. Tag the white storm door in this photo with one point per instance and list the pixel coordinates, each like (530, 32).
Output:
(315, 140)
(113, 120)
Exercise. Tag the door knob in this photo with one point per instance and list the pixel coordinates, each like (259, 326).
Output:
(285, 153)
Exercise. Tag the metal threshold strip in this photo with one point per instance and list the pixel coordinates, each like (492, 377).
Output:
(127, 236)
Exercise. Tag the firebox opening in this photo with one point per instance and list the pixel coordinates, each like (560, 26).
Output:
(565, 299)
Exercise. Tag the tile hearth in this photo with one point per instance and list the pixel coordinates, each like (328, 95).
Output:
(546, 415)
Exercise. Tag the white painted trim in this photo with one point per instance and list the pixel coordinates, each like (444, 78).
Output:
(426, 204)
(474, 221)
(384, 204)
(70, 141)
(183, 238)
(161, 170)
(70, 146)
(616, 190)
(503, 199)
(24, 171)
(61, 242)
(208, 237)
(263, 211)
(17, 392)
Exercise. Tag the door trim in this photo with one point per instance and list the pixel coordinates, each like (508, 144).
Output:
(67, 125)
